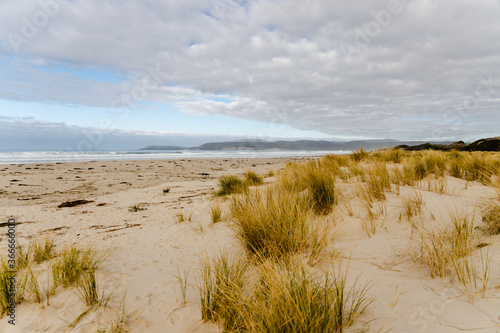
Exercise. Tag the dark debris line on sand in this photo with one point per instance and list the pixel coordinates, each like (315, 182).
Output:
(74, 203)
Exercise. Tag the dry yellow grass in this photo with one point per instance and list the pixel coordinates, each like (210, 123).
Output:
(253, 179)
(216, 212)
(412, 204)
(230, 184)
(42, 270)
(277, 222)
(439, 247)
(280, 297)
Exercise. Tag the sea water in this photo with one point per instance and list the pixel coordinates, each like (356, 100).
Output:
(16, 157)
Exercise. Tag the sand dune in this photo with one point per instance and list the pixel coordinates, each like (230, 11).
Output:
(148, 246)
(150, 250)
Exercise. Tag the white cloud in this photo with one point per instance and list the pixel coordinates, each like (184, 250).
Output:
(29, 133)
(276, 60)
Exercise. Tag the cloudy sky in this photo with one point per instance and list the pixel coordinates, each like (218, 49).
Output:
(171, 70)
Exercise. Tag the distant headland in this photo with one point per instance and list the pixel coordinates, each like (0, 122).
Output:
(309, 145)
(489, 144)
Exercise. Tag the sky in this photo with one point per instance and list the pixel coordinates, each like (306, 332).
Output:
(100, 74)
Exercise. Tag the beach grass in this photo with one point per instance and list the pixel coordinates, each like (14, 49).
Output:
(393, 156)
(440, 249)
(293, 177)
(321, 185)
(24, 256)
(317, 177)
(359, 154)
(222, 281)
(491, 216)
(253, 179)
(479, 167)
(276, 222)
(74, 262)
(182, 278)
(5, 287)
(41, 274)
(32, 286)
(378, 180)
(290, 298)
(280, 297)
(231, 184)
(43, 250)
(88, 289)
(216, 212)
(412, 204)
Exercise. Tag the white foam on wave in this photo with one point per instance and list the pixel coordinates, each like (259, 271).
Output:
(64, 156)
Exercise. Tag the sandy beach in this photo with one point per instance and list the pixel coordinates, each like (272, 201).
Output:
(249, 166)
(150, 251)
(148, 246)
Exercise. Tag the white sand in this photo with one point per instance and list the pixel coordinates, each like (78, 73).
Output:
(149, 247)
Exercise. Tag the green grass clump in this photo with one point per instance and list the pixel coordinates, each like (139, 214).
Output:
(419, 169)
(41, 270)
(73, 263)
(318, 177)
(23, 256)
(253, 179)
(474, 166)
(43, 250)
(275, 223)
(283, 298)
(166, 190)
(89, 291)
(223, 280)
(231, 184)
(216, 212)
(5, 287)
(289, 298)
(321, 184)
(32, 286)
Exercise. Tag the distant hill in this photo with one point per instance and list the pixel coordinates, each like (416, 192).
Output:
(489, 144)
(156, 147)
(297, 145)
(309, 145)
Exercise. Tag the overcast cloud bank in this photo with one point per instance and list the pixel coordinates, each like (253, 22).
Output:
(416, 69)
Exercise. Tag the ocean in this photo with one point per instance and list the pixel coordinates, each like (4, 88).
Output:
(17, 157)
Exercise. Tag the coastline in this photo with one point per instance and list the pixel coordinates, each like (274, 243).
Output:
(147, 247)
(151, 250)
(23, 157)
(48, 182)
